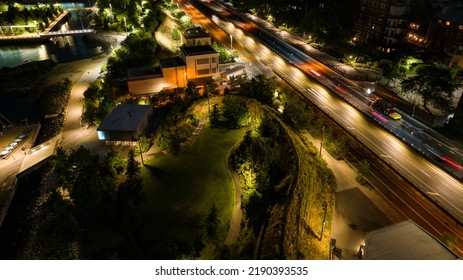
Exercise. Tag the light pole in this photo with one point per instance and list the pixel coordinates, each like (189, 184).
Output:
(323, 137)
(231, 42)
(324, 220)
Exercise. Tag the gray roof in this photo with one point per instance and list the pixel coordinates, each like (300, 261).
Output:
(195, 32)
(143, 72)
(171, 62)
(405, 241)
(125, 117)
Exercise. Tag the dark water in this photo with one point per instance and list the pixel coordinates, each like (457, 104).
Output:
(64, 49)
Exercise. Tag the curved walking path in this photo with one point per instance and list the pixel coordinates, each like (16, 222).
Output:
(235, 221)
(237, 213)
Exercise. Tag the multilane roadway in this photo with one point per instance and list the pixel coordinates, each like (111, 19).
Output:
(424, 175)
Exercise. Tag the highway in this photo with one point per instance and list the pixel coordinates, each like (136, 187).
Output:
(429, 179)
(435, 147)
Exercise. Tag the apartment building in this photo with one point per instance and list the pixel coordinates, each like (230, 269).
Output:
(446, 33)
(372, 20)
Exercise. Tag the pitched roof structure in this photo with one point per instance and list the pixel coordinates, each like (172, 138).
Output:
(125, 117)
(405, 241)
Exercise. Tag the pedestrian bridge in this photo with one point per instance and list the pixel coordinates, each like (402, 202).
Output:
(52, 34)
(38, 156)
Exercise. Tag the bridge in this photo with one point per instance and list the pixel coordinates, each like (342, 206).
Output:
(66, 33)
(47, 33)
(43, 36)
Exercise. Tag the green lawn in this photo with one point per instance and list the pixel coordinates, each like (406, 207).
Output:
(181, 189)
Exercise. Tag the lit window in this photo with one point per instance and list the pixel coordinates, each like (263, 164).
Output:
(102, 135)
(460, 27)
(447, 23)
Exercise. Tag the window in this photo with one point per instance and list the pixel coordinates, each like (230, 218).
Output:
(202, 61)
(203, 72)
(103, 135)
(213, 60)
(214, 70)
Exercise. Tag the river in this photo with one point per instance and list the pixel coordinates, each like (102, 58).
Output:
(65, 49)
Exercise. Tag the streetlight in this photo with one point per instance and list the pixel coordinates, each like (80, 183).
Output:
(324, 220)
(231, 42)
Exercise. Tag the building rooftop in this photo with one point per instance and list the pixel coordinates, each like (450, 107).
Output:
(452, 14)
(143, 72)
(195, 32)
(405, 241)
(197, 50)
(125, 117)
(171, 62)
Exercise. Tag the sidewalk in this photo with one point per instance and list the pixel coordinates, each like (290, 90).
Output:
(358, 209)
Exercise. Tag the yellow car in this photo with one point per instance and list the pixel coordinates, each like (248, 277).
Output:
(395, 116)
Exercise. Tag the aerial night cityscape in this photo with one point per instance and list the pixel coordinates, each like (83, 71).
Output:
(231, 130)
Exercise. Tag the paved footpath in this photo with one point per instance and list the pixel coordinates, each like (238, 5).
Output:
(358, 209)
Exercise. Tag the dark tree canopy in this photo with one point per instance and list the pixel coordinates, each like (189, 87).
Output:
(435, 84)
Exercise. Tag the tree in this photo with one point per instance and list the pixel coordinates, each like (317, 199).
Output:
(235, 111)
(449, 239)
(176, 36)
(238, 80)
(191, 91)
(144, 144)
(129, 193)
(390, 69)
(363, 169)
(107, 16)
(185, 22)
(212, 223)
(435, 84)
(133, 168)
(91, 189)
(210, 87)
(297, 114)
(198, 246)
(215, 115)
(260, 88)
